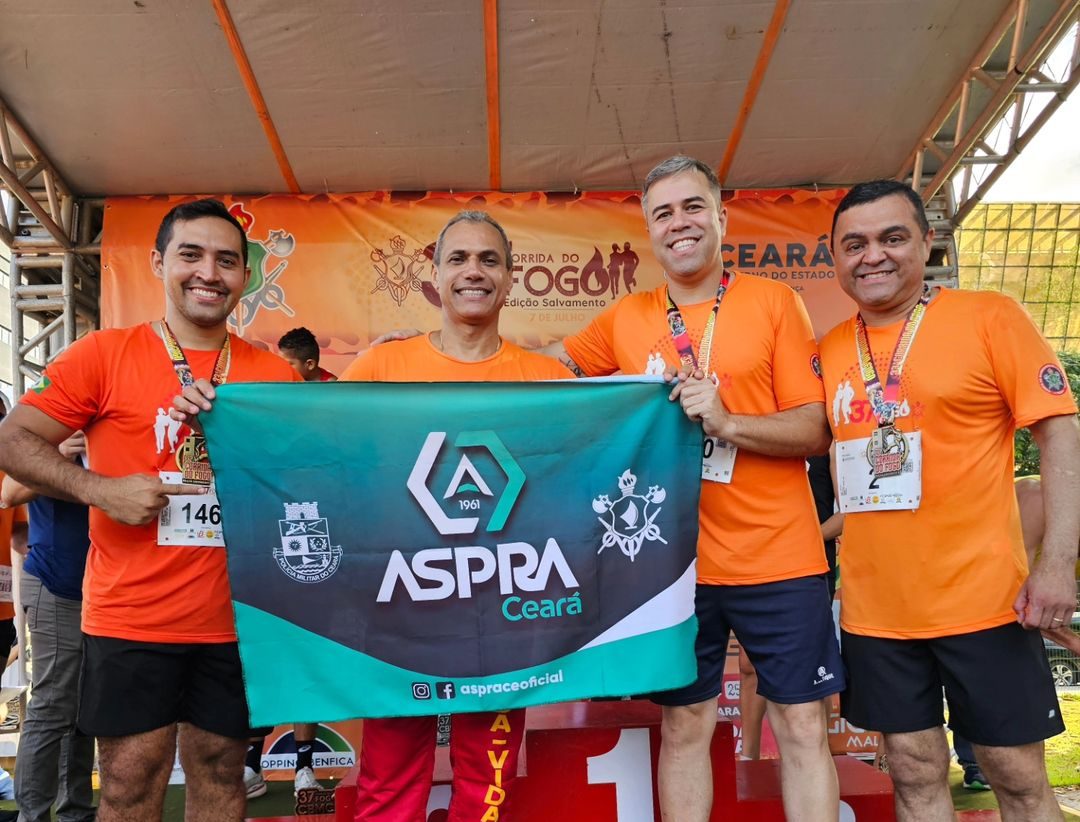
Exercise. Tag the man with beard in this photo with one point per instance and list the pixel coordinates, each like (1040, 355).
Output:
(160, 657)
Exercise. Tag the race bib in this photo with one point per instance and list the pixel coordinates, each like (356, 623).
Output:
(718, 460)
(860, 490)
(6, 594)
(190, 520)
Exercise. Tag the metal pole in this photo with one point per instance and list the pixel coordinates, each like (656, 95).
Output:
(18, 381)
(67, 279)
(1018, 32)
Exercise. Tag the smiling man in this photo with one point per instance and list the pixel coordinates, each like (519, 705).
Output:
(748, 372)
(472, 273)
(937, 589)
(160, 654)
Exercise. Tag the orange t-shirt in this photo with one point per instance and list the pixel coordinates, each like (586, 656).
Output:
(977, 370)
(762, 526)
(8, 518)
(118, 385)
(417, 360)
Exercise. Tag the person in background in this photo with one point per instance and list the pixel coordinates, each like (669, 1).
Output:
(55, 762)
(300, 349)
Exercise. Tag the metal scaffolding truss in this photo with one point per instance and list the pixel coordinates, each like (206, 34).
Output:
(56, 253)
(1019, 77)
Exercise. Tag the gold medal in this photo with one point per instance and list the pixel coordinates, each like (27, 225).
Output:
(192, 458)
(887, 451)
(194, 461)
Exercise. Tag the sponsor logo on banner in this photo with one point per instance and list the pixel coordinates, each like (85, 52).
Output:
(791, 262)
(398, 273)
(306, 554)
(630, 520)
(331, 750)
(851, 739)
(539, 279)
(267, 261)
(561, 280)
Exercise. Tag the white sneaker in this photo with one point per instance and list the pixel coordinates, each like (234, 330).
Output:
(305, 778)
(254, 784)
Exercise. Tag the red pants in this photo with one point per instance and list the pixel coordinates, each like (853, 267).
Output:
(397, 759)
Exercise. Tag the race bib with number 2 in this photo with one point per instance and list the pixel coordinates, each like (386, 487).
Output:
(859, 490)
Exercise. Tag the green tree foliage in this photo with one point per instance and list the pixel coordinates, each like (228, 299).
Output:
(1027, 452)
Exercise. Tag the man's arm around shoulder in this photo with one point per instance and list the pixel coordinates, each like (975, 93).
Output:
(557, 350)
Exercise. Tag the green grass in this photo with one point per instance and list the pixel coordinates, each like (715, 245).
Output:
(1062, 762)
(1063, 752)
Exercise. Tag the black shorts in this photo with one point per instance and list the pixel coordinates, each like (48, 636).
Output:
(8, 638)
(130, 687)
(787, 630)
(997, 682)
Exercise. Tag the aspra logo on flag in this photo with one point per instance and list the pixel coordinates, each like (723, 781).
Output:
(466, 479)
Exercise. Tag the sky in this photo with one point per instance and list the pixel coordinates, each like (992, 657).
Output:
(1048, 170)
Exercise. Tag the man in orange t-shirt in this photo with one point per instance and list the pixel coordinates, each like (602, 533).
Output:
(930, 386)
(756, 389)
(160, 645)
(472, 274)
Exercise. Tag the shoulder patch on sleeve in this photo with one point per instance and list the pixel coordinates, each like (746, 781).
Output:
(1051, 379)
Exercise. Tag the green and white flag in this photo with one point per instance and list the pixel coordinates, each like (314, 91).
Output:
(411, 549)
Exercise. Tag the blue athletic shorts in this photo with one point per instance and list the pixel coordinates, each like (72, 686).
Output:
(787, 630)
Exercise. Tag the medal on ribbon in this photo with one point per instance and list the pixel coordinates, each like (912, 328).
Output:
(887, 451)
(194, 461)
(681, 337)
(192, 458)
(888, 448)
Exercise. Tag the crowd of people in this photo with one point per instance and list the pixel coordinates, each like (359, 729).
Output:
(939, 594)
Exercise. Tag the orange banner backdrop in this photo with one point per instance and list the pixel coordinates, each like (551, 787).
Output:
(351, 266)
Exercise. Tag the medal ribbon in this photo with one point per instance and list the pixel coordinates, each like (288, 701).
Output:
(180, 363)
(681, 337)
(884, 400)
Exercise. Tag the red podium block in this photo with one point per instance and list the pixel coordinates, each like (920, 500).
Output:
(597, 761)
